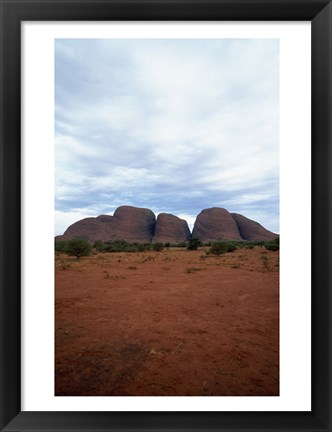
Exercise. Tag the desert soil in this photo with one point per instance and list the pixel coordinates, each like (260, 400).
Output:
(169, 323)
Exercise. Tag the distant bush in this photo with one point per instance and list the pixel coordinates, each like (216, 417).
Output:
(181, 244)
(99, 245)
(157, 246)
(78, 248)
(231, 246)
(218, 248)
(272, 246)
(260, 243)
(193, 269)
(221, 247)
(140, 247)
(121, 246)
(194, 244)
(250, 244)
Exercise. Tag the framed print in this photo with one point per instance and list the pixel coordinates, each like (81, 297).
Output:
(169, 144)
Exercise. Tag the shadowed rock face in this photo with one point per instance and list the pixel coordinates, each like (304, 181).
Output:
(215, 224)
(170, 228)
(251, 230)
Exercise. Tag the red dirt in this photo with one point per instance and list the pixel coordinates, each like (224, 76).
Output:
(173, 323)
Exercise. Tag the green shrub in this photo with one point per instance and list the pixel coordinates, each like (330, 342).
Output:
(181, 244)
(147, 246)
(78, 248)
(99, 245)
(231, 246)
(157, 246)
(119, 246)
(218, 248)
(272, 246)
(194, 244)
(140, 247)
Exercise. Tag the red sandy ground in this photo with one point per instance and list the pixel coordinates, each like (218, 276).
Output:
(175, 323)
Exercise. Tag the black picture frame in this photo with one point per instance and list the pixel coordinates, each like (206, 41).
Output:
(13, 12)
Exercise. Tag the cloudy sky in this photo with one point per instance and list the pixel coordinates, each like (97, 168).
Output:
(174, 125)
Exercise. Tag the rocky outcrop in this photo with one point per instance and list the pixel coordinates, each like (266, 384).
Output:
(91, 229)
(129, 223)
(170, 228)
(215, 224)
(132, 224)
(135, 224)
(251, 230)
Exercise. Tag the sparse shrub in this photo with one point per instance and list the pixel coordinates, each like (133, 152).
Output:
(148, 258)
(264, 259)
(78, 248)
(140, 247)
(231, 246)
(157, 246)
(181, 244)
(192, 269)
(167, 245)
(131, 248)
(272, 245)
(99, 245)
(65, 265)
(122, 246)
(132, 268)
(193, 244)
(218, 248)
(250, 244)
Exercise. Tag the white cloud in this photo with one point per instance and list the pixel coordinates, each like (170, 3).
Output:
(166, 124)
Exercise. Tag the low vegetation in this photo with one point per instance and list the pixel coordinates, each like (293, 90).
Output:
(77, 248)
(82, 247)
(194, 244)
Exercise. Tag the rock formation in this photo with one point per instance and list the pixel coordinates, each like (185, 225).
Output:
(91, 229)
(215, 224)
(132, 224)
(135, 224)
(170, 228)
(251, 230)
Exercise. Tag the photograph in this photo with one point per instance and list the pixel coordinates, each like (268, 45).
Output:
(166, 260)
(165, 226)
